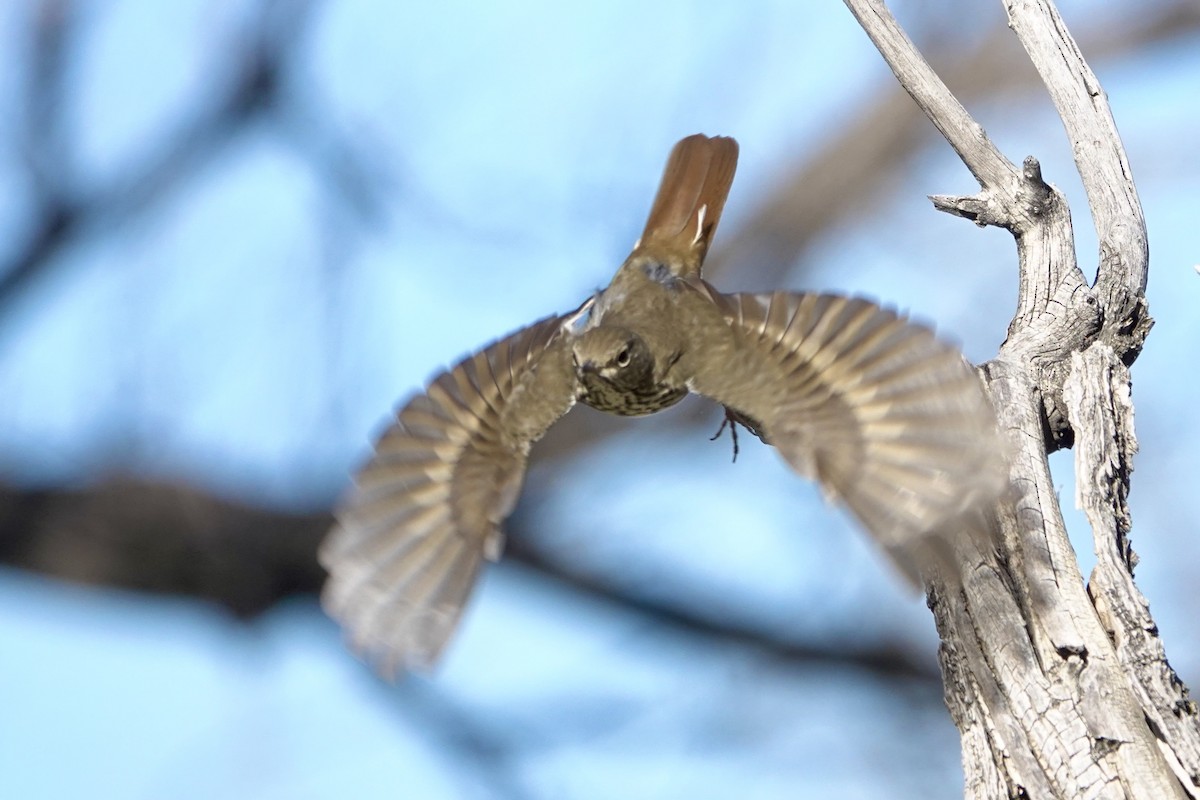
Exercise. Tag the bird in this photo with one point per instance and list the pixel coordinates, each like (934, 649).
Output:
(891, 421)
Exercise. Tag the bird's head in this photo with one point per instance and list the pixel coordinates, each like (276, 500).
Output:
(614, 355)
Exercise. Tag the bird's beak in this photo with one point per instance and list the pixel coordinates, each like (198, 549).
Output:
(589, 365)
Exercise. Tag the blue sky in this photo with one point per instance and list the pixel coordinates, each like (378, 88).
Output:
(250, 331)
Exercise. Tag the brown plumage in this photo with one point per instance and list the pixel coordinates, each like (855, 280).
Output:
(892, 422)
(688, 206)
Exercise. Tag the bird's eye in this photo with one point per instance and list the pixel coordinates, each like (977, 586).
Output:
(623, 357)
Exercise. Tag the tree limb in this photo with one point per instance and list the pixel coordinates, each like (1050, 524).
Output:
(174, 538)
(1041, 677)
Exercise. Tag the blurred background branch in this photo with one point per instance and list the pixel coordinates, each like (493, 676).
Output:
(252, 77)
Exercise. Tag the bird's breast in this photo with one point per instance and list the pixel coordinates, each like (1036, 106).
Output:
(635, 401)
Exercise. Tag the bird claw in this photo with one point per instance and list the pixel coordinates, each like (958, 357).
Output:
(730, 421)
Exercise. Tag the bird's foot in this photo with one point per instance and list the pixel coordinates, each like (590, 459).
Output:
(732, 422)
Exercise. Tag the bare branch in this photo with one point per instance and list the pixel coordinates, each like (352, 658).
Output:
(254, 88)
(963, 133)
(43, 134)
(1049, 700)
(163, 537)
(836, 180)
(1099, 156)
(174, 538)
(1101, 411)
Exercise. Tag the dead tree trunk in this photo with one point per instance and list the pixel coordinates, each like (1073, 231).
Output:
(1059, 689)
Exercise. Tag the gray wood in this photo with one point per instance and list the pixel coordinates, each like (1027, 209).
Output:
(1059, 690)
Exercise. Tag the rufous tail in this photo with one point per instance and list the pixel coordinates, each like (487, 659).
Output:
(690, 199)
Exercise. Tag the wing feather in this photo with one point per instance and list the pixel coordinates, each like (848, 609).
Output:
(428, 506)
(890, 420)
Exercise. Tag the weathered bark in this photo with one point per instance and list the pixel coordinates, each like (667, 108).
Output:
(1058, 690)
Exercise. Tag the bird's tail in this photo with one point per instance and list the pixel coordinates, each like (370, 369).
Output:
(690, 199)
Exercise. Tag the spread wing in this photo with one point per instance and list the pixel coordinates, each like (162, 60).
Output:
(429, 504)
(892, 422)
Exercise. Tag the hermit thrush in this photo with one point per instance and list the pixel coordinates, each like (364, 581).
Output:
(892, 422)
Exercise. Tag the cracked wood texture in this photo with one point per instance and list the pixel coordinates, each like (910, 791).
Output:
(1059, 689)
